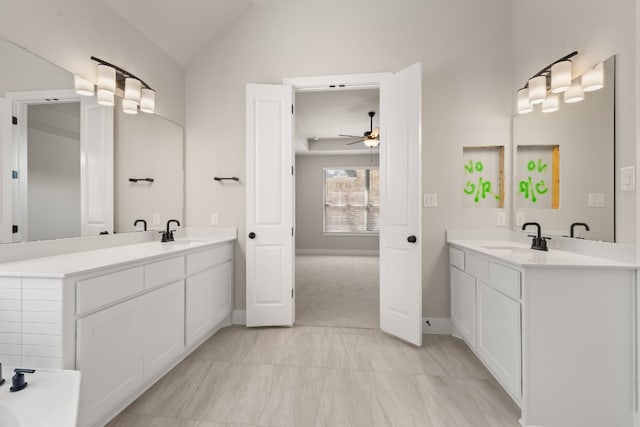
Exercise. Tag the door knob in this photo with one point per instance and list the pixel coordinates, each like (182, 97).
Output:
(252, 235)
(412, 239)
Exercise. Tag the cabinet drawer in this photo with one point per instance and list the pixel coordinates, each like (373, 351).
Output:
(208, 258)
(505, 280)
(456, 258)
(98, 291)
(477, 267)
(168, 270)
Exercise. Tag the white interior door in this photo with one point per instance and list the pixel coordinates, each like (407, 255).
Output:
(6, 143)
(96, 167)
(269, 240)
(400, 210)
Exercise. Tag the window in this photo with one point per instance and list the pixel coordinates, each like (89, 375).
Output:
(351, 200)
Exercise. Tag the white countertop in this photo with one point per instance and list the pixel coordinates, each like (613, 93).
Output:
(61, 266)
(522, 255)
(49, 400)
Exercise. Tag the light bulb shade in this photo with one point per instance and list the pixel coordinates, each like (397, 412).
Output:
(132, 89)
(106, 78)
(593, 79)
(537, 89)
(129, 107)
(551, 104)
(105, 98)
(560, 76)
(524, 106)
(82, 86)
(371, 142)
(575, 93)
(147, 101)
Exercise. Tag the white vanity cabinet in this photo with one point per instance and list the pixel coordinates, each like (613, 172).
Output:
(122, 324)
(485, 317)
(555, 329)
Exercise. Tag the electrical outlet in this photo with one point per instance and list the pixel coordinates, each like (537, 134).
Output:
(520, 219)
(430, 200)
(501, 219)
(628, 178)
(214, 219)
(156, 219)
(595, 200)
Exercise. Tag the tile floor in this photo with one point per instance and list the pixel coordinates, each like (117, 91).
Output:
(322, 376)
(338, 291)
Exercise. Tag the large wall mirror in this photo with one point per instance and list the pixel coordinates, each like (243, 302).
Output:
(563, 166)
(65, 180)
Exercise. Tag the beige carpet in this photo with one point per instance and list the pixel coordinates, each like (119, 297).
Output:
(340, 291)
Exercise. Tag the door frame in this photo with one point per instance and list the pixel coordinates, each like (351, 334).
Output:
(22, 100)
(331, 83)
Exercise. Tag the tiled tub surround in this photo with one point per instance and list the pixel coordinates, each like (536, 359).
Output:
(555, 328)
(122, 315)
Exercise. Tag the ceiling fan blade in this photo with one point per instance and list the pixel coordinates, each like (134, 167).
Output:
(355, 142)
(351, 136)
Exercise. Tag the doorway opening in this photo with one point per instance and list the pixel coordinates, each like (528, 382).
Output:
(337, 208)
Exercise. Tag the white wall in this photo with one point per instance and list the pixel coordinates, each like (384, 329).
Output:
(69, 32)
(310, 203)
(464, 46)
(546, 30)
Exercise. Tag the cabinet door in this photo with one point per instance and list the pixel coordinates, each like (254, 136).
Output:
(163, 328)
(199, 305)
(463, 304)
(499, 337)
(109, 354)
(222, 276)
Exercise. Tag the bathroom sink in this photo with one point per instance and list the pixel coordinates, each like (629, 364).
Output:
(183, 242)
(507, 249)
(49, 400)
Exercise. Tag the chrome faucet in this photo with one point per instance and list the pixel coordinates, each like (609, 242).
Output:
(167, 236)
(539, 242)
(583, 224)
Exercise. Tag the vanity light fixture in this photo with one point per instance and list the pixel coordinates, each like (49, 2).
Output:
(537, 89)
(593, 79)
(551, 103)
(575, 93)
(560, 76)
(112, 78)
(83, 86)
(524, 106)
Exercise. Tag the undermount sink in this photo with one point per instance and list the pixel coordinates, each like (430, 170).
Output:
(50, 400)
(183, 242)
(512, 250)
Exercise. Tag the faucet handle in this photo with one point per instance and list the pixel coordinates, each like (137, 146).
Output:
(18, 382)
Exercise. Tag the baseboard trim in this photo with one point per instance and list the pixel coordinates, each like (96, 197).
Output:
(338, 252)
(437, 325)
(239, 317)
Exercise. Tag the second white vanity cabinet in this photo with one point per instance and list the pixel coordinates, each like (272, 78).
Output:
(554, 328)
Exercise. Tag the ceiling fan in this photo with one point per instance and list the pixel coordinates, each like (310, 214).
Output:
(371, 138)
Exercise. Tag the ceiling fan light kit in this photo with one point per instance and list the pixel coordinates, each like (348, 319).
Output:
(371, 138)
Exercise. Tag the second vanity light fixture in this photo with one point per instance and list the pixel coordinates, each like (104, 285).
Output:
(137, 94)
(546, 86)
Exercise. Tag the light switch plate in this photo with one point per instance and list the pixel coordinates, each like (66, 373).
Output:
(501, 219)
(628, 178)
(214, 219)
(596, 200)
(520, 219)
(430, 200)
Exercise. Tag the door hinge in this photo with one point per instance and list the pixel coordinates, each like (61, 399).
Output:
(291, 231)
(291, 108)
(14, 174)
(291, 170)
(14, 120)
(291, 292)
(14, 229)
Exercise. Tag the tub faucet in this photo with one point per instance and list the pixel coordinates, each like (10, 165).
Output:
(144, 222)
(539, 242)
(583, 224)
(167, 236)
